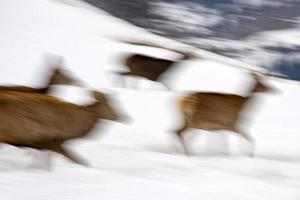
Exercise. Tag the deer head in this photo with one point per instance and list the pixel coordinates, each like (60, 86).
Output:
(62, 77)
(105, 109)
(260, 86)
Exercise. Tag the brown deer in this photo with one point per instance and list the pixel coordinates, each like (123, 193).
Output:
(216, 111)
(44, 122)
(58, 76)
(149, 67)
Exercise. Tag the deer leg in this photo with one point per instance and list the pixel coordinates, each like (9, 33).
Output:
(60, 150)
(248, 138)
(119, 80)
(127, 78)
(42, 159)
(181, 138)
(133, 82)
(164, 84)
(168, 88)
(122, 81)
(125, 81)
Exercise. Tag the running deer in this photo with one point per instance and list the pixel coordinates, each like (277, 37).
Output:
(58, 76)
(216, 111)
(44, 122)
(149, 67)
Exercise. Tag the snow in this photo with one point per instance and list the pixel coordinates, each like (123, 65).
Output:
(143, 160)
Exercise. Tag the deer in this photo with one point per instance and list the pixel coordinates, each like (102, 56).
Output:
(44, 122)
(149, 67)
(58, 76)
(217, 111)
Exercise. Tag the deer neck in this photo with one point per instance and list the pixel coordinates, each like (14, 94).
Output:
(93, 108)
(46, 88)
(251, 92)
(90, 119)
(185, 56)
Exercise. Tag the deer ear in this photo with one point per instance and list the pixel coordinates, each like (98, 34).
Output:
(256, 75)
(253, 73)
(98, 95)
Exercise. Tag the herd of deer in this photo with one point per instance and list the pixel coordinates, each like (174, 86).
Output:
(29, 117)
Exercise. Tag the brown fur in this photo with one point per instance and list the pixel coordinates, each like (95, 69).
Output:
(215, 111)
(57, 77)
(149, 67)
(43, 122)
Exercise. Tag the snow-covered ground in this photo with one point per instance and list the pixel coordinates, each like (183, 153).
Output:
(142, 160)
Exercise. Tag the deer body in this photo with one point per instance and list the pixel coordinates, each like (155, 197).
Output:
(207, 110)
(150, 67)
(44, 122)
(146, 66)
(215, 111)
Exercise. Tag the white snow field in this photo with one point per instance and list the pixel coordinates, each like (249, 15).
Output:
(143, 159)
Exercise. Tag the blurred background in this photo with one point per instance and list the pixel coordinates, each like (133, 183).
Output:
(260, 32)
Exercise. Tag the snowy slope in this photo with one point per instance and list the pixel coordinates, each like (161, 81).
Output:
(142, 160)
